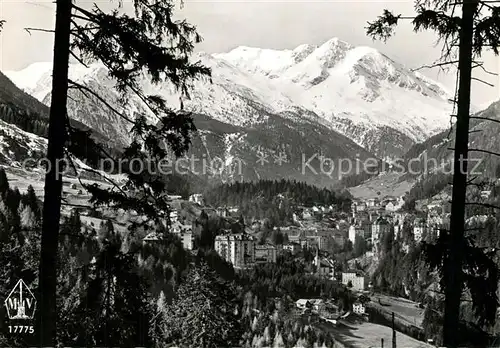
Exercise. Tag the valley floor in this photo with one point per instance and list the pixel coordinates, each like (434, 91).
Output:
(385, 184)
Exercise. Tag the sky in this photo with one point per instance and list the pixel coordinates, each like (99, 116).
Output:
(225, 25)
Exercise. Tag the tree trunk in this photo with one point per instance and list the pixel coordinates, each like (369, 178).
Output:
(47, 315)
(454, 260)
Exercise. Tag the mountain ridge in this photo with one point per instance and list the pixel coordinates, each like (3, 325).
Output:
(356, 91)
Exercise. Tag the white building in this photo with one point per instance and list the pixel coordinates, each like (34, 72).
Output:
(265, 253)
(222, 212)
(179, 228)
(185, 233)
(373, 202)
(391, 207)
(303, 303)
(174, 197)
(187, 240)
(292, 247)
(397, 230)
(419, 230)
(306, 215)
(197, 198)
(355, 231)
(357, 280)
(174, 216)
(237, 249)
(358, 308)
(151, 238)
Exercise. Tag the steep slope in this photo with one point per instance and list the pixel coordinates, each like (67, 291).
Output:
(29, 114)
(356, 91)
(277, 148)
(19, 148)
(436, 151)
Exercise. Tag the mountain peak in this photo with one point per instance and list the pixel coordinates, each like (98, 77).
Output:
(30, 75)
(357, 91)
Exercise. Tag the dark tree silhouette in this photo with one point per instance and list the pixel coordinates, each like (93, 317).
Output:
(148, 42)
(206, 302)
(474, 30)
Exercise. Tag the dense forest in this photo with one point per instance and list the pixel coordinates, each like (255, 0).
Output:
(116, 290)
(428, 186)
(406, 272)
(273, 199)
(28, 121)
(359, 178)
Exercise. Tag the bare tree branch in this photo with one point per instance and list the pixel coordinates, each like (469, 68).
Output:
(482, 81)
(435, 65)
(485, 151)
(484, 119)
(87, 89)
(29, 30)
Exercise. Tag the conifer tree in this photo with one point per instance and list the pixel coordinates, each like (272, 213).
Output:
(27, 217)
(205, 302)
(472, 31)
(114, 310)
(4, 183)
(149, 43)
(31, 200)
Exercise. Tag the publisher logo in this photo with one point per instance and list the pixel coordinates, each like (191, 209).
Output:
(21, 302)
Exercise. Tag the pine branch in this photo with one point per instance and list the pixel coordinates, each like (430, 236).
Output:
(482, 81)
(87, 89)
(485, 119)
(79, 60)
(435, 65)
(485, 151)
(90, 170)
(29, 30)
(481, 65)
(486, 205)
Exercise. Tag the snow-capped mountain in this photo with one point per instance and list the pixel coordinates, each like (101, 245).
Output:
(280, 147)
(357, 91)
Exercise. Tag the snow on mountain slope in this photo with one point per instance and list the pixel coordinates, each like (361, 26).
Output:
(359, 84)
(356, 91)
(17, 146)
(29, 77)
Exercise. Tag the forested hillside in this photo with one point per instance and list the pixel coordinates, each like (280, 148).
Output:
(24, 111)
(273, 199)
